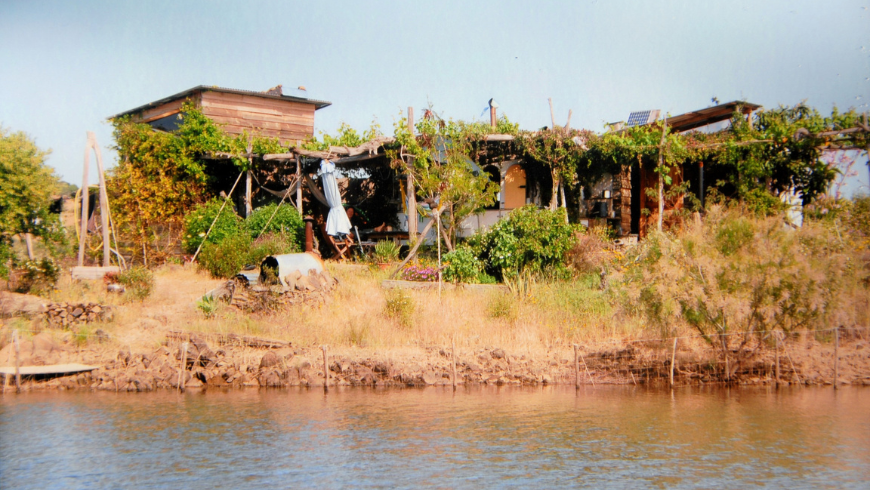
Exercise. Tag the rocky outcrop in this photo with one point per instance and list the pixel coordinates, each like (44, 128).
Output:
(66, 315)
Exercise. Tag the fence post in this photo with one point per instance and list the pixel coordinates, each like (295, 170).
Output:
(15, 339)
(183, 368)
(453, 351)
(776, 336)
(673, 358)
(325, 368)
(576, 368)
(836, 357)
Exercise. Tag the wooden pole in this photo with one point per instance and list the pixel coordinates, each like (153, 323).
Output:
(207, 233)
(416, 245)
(28, 243)
(552, 115)
(776, 335)
(410, 189)
(568, 124)
(587, 369)
(325, 368)
(83, 235)
(104, 198)
(576, 367)
(438, 237)
(298, 180)
(248, 206)
(836, 358)
(183, 368)
(673, 359)
(661, 177)
(17, 343)
(453, 352)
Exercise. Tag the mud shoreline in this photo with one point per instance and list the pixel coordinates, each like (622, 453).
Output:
(226, 366)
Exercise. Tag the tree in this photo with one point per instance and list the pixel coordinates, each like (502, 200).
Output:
(26, 186)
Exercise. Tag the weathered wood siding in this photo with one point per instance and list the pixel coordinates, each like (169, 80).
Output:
(284, 119)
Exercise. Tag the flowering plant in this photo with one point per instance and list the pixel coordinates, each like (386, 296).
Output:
(420, 273)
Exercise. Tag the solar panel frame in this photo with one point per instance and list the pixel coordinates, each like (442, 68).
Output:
(638, 118)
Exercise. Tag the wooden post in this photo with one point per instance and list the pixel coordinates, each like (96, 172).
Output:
(576, 367)
(183, 368)
(453, 352)
(438, 237)
(568, 124)
(28, 243)
(325, 368)
(104, 198)
(83, 234)
(552, 115)
(673, 359)
(776, 335)
(836, 357)
(17, 343)
(298, 180)
(493, 118)
(248, 207)
(661, 177)
(410, 189)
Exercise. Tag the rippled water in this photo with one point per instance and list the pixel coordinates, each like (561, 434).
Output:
(604, 437)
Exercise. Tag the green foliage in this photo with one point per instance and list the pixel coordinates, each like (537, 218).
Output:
(462, 265)
(737, 273)
(227, 258)
(233, 253)
(39, 276)
(138, 282)
(386, 251)
(208, 305)
(345, 136)
(197, 223)
(26, 186)
(161, 177)
(284, 220)
(502, 306)
(400, 307)
(529, 239)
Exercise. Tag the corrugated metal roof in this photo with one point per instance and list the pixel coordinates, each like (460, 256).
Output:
(318, 104)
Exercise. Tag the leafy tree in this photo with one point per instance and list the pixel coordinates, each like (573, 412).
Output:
(26, 186)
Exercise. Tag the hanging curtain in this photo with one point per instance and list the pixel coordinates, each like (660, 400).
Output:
(337, 223)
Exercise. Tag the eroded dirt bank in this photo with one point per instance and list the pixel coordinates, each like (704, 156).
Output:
(209, 364)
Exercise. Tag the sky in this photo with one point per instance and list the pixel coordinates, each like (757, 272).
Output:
(68, 66)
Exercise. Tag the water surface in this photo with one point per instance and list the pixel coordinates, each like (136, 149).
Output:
(603, 437)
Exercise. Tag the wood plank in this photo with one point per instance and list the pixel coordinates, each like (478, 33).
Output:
(283, 136)
(154, 113)
(53, 369)
(269, 111)
(241, 113)
(249, 123)
(92, 273)
(258, 101)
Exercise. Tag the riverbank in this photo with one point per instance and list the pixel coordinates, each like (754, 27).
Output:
(378, 337)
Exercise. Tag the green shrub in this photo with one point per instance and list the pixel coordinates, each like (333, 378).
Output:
(227, 258)
(528, 239)
(138, 282)
(462, 266)
(285, 222)
(400, 307)
(39, 276)
(197, 223)
(386, 251)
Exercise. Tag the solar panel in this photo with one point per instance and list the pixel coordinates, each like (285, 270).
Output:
(638, 118)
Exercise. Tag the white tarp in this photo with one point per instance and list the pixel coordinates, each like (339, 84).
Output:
(336, 222)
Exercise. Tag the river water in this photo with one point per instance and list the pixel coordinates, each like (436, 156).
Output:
(600, 437)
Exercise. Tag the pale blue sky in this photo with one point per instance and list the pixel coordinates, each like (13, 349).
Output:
(67, 66)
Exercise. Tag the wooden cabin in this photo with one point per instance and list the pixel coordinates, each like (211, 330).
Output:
(269, 113)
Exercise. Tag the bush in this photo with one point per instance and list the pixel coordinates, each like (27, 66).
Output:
(227, 258)
(400, 307)
(197, 223)
(39, 276)
(386, 251)
(462, 266)
(528, 239)
(286, 222)
(138, 282)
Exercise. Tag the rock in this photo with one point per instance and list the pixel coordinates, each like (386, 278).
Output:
(498, 354)
(269, 359)
(101, 336)
(14, 304)
(77, 312)
(431, 378)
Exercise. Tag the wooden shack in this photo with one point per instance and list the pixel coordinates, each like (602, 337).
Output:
(268, 113)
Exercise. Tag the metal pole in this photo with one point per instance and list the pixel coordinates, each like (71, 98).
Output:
(673, 358)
